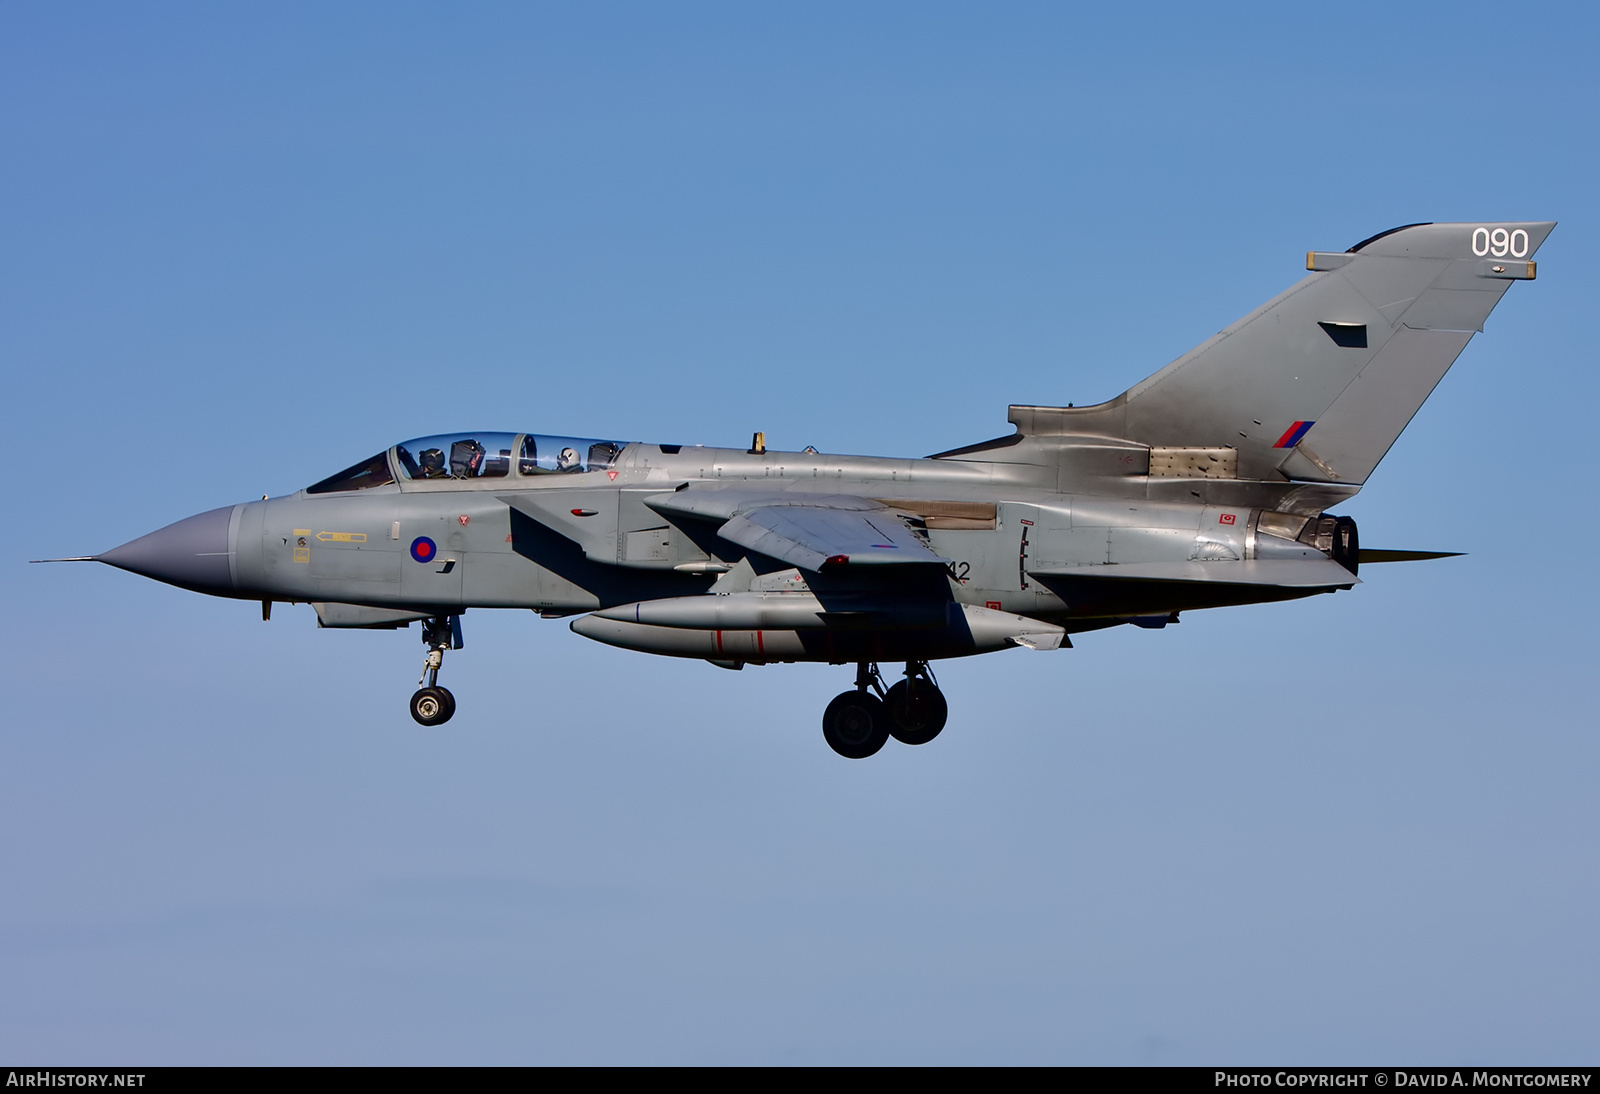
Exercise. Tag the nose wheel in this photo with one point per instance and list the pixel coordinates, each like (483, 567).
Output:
(858, 723)
(433, 705)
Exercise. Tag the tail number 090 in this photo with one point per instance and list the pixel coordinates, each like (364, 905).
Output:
(1499, 242)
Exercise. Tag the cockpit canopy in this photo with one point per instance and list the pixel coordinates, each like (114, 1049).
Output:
(456, 456)
(463, 456)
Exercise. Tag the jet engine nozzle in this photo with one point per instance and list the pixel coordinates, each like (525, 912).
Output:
(1335, 537)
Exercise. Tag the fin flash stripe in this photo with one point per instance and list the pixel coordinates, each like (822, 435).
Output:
(1293, 434)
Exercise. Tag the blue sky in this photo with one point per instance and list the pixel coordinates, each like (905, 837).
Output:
(244, 246)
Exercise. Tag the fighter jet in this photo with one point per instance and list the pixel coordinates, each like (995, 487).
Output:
(1206, 485)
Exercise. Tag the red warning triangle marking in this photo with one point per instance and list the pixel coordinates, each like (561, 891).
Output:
(612, 475)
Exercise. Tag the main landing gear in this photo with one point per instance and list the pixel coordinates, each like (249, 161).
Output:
(858, 723)
(433, 705)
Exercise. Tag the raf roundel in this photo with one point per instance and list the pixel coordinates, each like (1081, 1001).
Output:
(423, 549)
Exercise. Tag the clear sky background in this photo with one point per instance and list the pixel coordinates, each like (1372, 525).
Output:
(243, 246)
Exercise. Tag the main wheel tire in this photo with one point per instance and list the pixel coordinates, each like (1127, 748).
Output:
(916, 717)
(432, 706)
(855, 725)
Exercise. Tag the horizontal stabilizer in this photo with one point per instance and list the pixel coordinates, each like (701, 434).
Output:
(1293, 573)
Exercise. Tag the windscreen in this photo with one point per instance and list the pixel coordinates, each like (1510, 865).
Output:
(368, 473)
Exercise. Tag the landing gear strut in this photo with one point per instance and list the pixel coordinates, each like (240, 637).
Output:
(433, 705)
(858, 723)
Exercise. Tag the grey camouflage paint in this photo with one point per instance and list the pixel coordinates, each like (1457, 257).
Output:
(1181, 493)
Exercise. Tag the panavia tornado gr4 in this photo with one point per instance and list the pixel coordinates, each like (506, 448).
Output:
(1206, 485)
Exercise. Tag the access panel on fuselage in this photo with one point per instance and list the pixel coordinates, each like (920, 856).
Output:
(437, 550)
(322, 549)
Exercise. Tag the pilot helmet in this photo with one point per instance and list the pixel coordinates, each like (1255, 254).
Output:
(568, 460)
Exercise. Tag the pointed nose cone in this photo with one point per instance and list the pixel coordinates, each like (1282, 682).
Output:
(191, 554)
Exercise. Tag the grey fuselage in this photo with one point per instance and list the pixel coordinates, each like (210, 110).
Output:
(577, 543)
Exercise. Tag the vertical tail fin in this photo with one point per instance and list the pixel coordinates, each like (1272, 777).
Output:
(1319, 382)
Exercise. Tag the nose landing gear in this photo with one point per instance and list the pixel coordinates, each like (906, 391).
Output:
(858, 723)
(434, 705)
